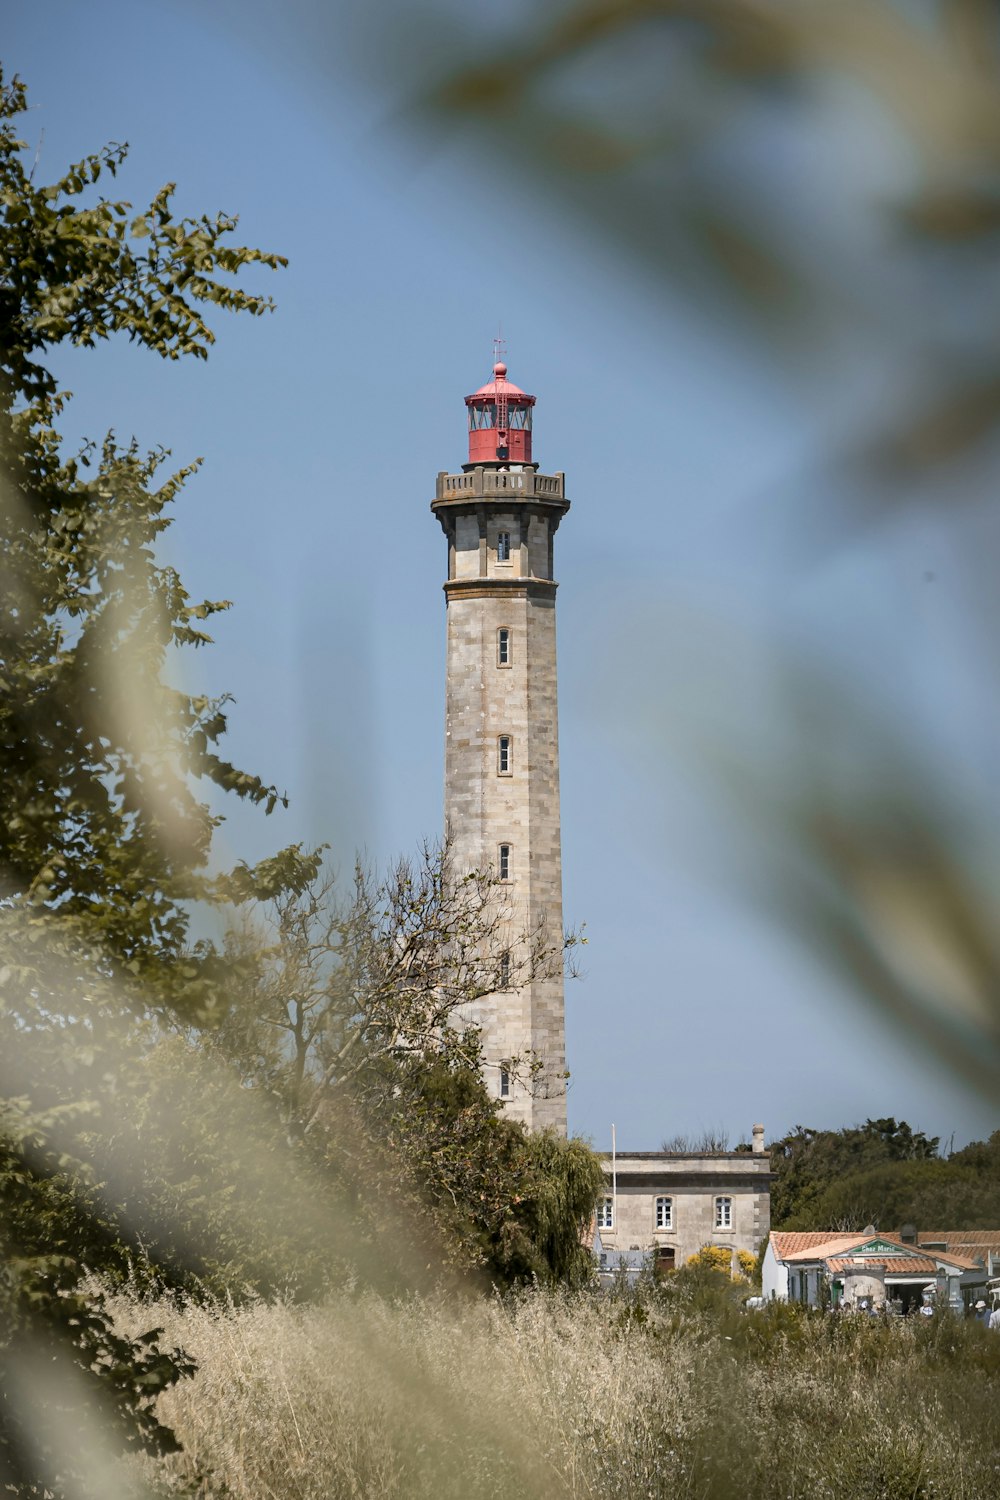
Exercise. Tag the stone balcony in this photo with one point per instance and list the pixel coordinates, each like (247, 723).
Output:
(500, 484)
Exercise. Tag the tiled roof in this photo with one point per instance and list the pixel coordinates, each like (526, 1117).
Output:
(967, 1262)
(797, 1246)
(979, 1239)
(787, 1242)
(977, 1244)
(828, 1247)
(920, 1265)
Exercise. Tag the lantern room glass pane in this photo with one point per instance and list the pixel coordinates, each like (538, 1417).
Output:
(482, 417)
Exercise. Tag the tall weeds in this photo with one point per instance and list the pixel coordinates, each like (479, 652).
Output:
(555, 1395)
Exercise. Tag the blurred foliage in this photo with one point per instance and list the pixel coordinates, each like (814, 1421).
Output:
(102, 841)
(54, 1412)
(672, 127)
(821, 183)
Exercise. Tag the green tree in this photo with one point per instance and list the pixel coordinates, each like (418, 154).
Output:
(103, 841)
(806, 1162)
(353, 1018)
(434, 1150)
(928, 1194)
(99, 820)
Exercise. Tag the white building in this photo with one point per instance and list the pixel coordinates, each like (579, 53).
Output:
(823, 1268)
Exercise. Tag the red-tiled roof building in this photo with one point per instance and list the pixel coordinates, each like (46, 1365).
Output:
(824, 1268)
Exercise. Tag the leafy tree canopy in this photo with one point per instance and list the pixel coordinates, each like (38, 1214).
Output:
(98, 820)
(882, 1173)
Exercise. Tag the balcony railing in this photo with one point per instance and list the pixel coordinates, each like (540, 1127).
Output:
(487, 484)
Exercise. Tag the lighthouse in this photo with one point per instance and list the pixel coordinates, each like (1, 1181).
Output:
(500, 516)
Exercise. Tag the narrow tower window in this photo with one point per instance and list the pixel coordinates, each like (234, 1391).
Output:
(503, 546)
(503, 647)
(505, 755)
(503, 862)
(505, 970)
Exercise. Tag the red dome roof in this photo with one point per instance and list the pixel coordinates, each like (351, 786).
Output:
(502, 386)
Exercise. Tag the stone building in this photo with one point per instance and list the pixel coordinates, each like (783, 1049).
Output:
(499, 515)
(673, 1203)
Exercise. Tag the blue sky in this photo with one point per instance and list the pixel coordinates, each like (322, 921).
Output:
(686, 447)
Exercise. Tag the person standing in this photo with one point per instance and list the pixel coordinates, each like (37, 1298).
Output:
(994, 1322)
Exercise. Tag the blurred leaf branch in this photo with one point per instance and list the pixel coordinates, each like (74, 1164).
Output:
(798, 171)
(824, 181)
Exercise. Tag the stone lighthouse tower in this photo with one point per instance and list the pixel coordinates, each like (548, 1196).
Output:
(501, 737)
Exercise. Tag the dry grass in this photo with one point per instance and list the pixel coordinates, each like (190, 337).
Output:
(553, 1396)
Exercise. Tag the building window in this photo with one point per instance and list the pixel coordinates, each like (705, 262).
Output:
(504, 1084)
(503, 862)
(723, 1213)
(606, 1213)
(505, 755)
(503, 546)
(503, 647)
(505, 970)
(664, 1213)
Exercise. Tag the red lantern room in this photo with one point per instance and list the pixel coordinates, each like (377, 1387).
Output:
(499, 421)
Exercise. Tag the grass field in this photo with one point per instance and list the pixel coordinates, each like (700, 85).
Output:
(679, 1394)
